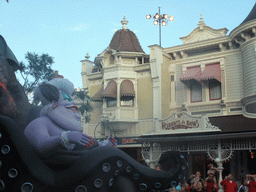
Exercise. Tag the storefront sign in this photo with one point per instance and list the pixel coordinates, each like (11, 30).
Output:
(128, 141)
(180, 124)
(181, 121)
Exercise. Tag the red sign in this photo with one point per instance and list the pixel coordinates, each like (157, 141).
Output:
(128, 141)
(180, 124)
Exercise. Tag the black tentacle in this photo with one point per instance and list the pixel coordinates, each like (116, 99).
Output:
(99, 169)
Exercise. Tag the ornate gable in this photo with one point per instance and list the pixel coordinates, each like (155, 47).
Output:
(203, 32)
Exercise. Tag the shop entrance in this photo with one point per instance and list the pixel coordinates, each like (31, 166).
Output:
(201, 162)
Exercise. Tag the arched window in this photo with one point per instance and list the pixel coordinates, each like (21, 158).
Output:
(110, 93)
(127, 93)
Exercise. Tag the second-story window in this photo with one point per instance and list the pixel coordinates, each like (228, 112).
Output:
(127, 93)
(110, 93)
(111, 102)
(214, 89)
(195, 91)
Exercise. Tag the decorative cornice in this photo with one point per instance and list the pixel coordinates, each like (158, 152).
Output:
(155, 45)
(95, 76)
(212, 57)
(242, 27)
(129, 54)
(199, 44)
(118, 68)
(142, 67)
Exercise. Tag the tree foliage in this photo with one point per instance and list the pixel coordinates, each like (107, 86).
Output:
(38, 69)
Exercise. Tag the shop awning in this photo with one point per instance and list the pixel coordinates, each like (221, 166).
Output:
(193, 138)
(110, 91)
(211, 71)
(97, 96)
(127, 89)
(191, 73)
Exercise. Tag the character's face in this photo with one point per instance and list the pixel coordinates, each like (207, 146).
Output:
(67, 101)
(66, 113)
(198, 174)
(210, 176)
(230, 177)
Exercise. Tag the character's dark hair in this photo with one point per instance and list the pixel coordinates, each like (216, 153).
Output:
(50, 92)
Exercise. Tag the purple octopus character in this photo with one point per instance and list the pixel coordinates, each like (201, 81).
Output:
(57, 137)
(59, 127)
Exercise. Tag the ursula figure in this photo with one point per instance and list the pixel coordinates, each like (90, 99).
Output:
(53, 155)
(58, 129)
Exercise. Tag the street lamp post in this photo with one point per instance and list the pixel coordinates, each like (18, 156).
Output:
(160, 19)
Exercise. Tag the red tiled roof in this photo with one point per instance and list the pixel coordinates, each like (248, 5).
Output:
(125, 40)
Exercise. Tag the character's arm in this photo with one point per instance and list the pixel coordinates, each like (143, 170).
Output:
(38, 135)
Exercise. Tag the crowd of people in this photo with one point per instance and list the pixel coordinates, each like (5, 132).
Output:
(210, 184)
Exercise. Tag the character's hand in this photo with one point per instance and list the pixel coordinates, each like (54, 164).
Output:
(111, 141)
(79, 138)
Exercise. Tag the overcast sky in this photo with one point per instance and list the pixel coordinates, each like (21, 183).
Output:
(66, 30)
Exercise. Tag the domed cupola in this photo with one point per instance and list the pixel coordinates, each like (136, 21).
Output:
(125, 40)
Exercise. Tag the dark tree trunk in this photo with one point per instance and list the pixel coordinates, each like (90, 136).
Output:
(17, 92)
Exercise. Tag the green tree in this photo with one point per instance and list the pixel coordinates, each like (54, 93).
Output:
(39, 69)
(85, 107)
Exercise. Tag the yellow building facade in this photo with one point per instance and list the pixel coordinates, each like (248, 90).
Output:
(199, 92)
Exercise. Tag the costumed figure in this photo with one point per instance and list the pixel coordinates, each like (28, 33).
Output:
(58, 129)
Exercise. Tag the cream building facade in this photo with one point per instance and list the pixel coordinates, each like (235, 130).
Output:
(198, 97)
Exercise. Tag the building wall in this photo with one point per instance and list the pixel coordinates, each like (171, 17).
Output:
(97, 106)
(234, 76)
(181, 95)
(249, 67)
(165, 84)
(145, 96)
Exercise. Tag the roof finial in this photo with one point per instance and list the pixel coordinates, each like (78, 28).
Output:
(87, 55)
(124, 23)
(201, 22)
